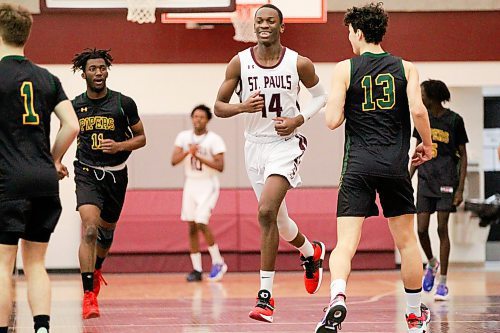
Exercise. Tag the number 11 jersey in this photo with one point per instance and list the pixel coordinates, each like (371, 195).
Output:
(278, 85)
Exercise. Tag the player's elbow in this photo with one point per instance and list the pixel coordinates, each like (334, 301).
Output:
(73, 128)
(332, 125)
(142, 141)
(334, 122)
(217, 109)
(419, 111)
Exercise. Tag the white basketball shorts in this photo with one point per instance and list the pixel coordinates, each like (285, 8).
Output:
(199, 198)
(278, 157)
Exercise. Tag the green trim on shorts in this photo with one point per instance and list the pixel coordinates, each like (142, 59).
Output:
(347, 147)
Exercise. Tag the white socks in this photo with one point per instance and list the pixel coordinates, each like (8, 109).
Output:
(267, 280)
(306, 249)
(413, 300)
(196, 260)
(215, 254)
(337, 287)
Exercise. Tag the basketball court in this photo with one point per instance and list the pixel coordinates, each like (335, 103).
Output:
(166, 303)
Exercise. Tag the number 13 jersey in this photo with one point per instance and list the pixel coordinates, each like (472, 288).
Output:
(278, 85)
(377, 130)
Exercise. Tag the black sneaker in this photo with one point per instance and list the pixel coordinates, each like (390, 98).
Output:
(194, 276)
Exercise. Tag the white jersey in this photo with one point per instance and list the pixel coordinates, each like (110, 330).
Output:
(209, 144)
(279, 85)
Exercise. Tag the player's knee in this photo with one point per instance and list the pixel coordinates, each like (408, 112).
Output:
(193, 229)
(422, 233)
(287, 228)
(267, 214)
(443, 231)
(105, 237)
(202, 227)
(90, 233)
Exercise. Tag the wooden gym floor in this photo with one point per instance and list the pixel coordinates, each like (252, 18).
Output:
(166, 303)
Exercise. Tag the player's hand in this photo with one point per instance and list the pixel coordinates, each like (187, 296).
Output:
(61, 169)
(422, 154)
(110, 146)
(285, 126)
(193, 149)
(254, 103)
(459, 197)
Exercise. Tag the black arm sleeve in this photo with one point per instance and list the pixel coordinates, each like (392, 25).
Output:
(130, 109)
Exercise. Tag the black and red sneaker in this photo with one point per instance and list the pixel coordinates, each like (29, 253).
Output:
(264, 309)
(98, 280)
(313, 267)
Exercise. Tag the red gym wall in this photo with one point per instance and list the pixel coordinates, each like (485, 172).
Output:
(462, 36)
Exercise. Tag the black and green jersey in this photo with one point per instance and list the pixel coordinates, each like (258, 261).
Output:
(440, 175)
(109, 117)
(28, 96)
(377, 117)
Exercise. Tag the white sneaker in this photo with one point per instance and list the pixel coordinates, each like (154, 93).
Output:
(335, 314)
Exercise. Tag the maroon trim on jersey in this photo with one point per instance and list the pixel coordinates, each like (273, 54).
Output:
(283, 50)
(239, 89)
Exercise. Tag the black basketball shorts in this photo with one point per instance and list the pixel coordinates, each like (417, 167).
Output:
(104, 189)
(32, 219)
(357, 194)
(435, 204)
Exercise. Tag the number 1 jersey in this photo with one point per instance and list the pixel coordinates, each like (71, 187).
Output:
(28, 95)
(278, 85)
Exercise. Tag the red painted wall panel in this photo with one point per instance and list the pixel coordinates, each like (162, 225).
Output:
(150, 222)
(437, 36)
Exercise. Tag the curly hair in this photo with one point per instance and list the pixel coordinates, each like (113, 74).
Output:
(202, 107)
(80, 59)
(436, 90)
(15, 24)
(370, 19)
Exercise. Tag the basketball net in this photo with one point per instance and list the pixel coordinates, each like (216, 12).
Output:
(141, 11)
(242, 20)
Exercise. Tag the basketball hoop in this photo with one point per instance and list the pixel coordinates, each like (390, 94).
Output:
(141, 11)
(242, 20)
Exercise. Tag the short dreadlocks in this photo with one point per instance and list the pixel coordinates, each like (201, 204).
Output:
(80, 59)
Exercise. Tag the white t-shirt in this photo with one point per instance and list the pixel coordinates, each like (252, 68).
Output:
(209, 144)
(279, 85)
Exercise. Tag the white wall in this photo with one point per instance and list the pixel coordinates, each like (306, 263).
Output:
(174, 89)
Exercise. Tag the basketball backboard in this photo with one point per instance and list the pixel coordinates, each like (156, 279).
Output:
(294, 11)
(172, 6)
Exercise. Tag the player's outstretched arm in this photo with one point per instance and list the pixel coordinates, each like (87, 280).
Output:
(222, 107)
(334, 114)
(67, 133)
(423, 151)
